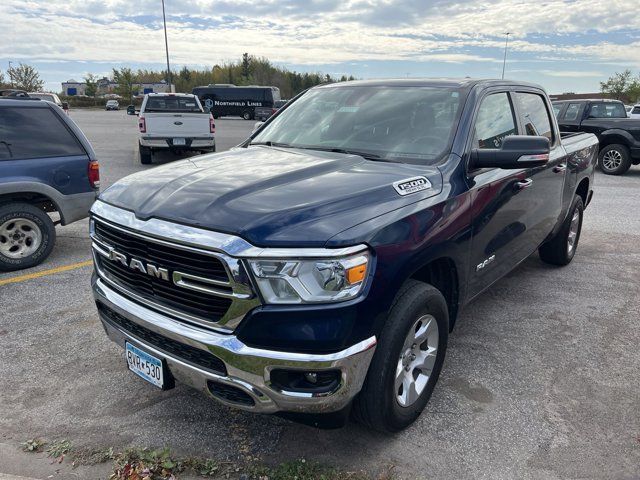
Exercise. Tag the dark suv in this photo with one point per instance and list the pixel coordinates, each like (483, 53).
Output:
(46, 165)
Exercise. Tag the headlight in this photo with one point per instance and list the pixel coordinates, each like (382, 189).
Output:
(311, 281)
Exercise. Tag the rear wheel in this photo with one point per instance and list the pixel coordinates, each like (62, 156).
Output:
(614, 159)
(561, 249)
(407, 361)
(27, 236)
(146, 155)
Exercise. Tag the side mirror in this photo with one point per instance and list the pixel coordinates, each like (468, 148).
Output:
(65, 105)
(517, 151)
(131, 110)
(256, 126)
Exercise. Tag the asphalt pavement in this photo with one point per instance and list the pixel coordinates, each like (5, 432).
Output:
(541, 380)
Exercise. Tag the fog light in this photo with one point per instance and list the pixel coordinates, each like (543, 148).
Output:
(315, 383)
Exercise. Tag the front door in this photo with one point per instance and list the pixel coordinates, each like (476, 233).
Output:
(501, 199)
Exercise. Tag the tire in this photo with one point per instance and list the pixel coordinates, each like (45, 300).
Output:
(379, 403)
(146, 155)
(247, 115)
(614, 159)
(27, 236)
(561, 249)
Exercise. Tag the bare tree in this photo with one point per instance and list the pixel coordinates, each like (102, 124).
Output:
(25, 77)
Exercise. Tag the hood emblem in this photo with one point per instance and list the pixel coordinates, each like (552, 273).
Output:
(411, 185)
(177, 123)
(135, 264)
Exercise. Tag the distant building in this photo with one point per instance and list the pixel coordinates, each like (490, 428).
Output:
(72, 87)
(106, 86)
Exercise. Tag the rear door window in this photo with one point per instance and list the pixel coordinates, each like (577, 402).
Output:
(35, 133)
(572, 112)
(635, 110)
(494, 122)
(534, 115)
(607, 110)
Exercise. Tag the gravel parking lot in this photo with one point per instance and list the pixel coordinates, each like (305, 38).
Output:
(541, 381)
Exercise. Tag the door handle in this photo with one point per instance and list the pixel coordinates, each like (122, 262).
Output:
(526, 183)
(559, 168)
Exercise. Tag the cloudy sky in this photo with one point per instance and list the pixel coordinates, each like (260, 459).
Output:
(565, 45)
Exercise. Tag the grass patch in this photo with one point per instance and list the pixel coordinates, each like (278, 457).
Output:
(59, 448)
(161, 464)
(34, 445)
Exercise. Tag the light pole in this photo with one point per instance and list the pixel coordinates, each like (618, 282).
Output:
(166, 45)
(506, 44)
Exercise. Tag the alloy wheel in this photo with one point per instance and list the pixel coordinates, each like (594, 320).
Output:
(573, 232)
(417, 360)
(612, 159)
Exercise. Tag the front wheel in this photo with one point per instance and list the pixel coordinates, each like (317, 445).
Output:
(246, 115)
(614, 159)
(27, 236)
(561, 249)
(408, 359)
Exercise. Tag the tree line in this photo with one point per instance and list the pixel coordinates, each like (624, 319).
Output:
(622, 86)
(249, 70)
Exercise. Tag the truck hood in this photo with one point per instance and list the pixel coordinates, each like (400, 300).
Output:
(271, 196)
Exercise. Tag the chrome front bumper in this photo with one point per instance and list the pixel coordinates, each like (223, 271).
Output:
(247, 368)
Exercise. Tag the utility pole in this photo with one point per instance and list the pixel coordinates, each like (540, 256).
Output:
(506, 44)
(166, 45)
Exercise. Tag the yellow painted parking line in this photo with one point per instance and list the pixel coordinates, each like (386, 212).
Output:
(44, 273)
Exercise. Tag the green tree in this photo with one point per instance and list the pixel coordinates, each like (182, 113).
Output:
(25, 77)
(2, 82)
(92, 85)
(246, 66)
(622, 85)
(126, 81)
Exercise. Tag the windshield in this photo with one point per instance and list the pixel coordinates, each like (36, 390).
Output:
(41, 96)
(407, 124)
(171, 104)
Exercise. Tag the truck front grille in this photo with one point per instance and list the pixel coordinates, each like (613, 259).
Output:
(204, 305)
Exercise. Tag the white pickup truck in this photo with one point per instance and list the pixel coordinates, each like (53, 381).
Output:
(175, 122)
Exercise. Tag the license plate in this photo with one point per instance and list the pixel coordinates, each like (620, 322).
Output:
(179, 141)
(145, 365)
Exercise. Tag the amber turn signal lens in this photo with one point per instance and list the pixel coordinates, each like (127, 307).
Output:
(356, 274)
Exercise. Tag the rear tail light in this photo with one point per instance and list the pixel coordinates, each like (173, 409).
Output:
(212, 125)
(94, 174)
(142, 125)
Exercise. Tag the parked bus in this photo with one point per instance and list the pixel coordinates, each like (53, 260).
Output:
(229, 100)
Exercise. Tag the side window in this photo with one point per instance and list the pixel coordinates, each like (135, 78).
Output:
(35, 133)
(495, 121)
(572, 111)
(635, 110)
(535, 116)
(556, 109)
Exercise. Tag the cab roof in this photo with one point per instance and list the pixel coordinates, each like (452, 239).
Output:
(433, 82)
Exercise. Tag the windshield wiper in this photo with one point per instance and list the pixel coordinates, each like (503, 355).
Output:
(349, 151)
(269, 143)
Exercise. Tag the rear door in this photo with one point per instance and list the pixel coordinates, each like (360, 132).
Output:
(501, 198)
(534, 116)
(571, 118)
(36, 145)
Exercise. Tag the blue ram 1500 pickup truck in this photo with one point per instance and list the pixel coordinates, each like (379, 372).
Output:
(321, 265)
